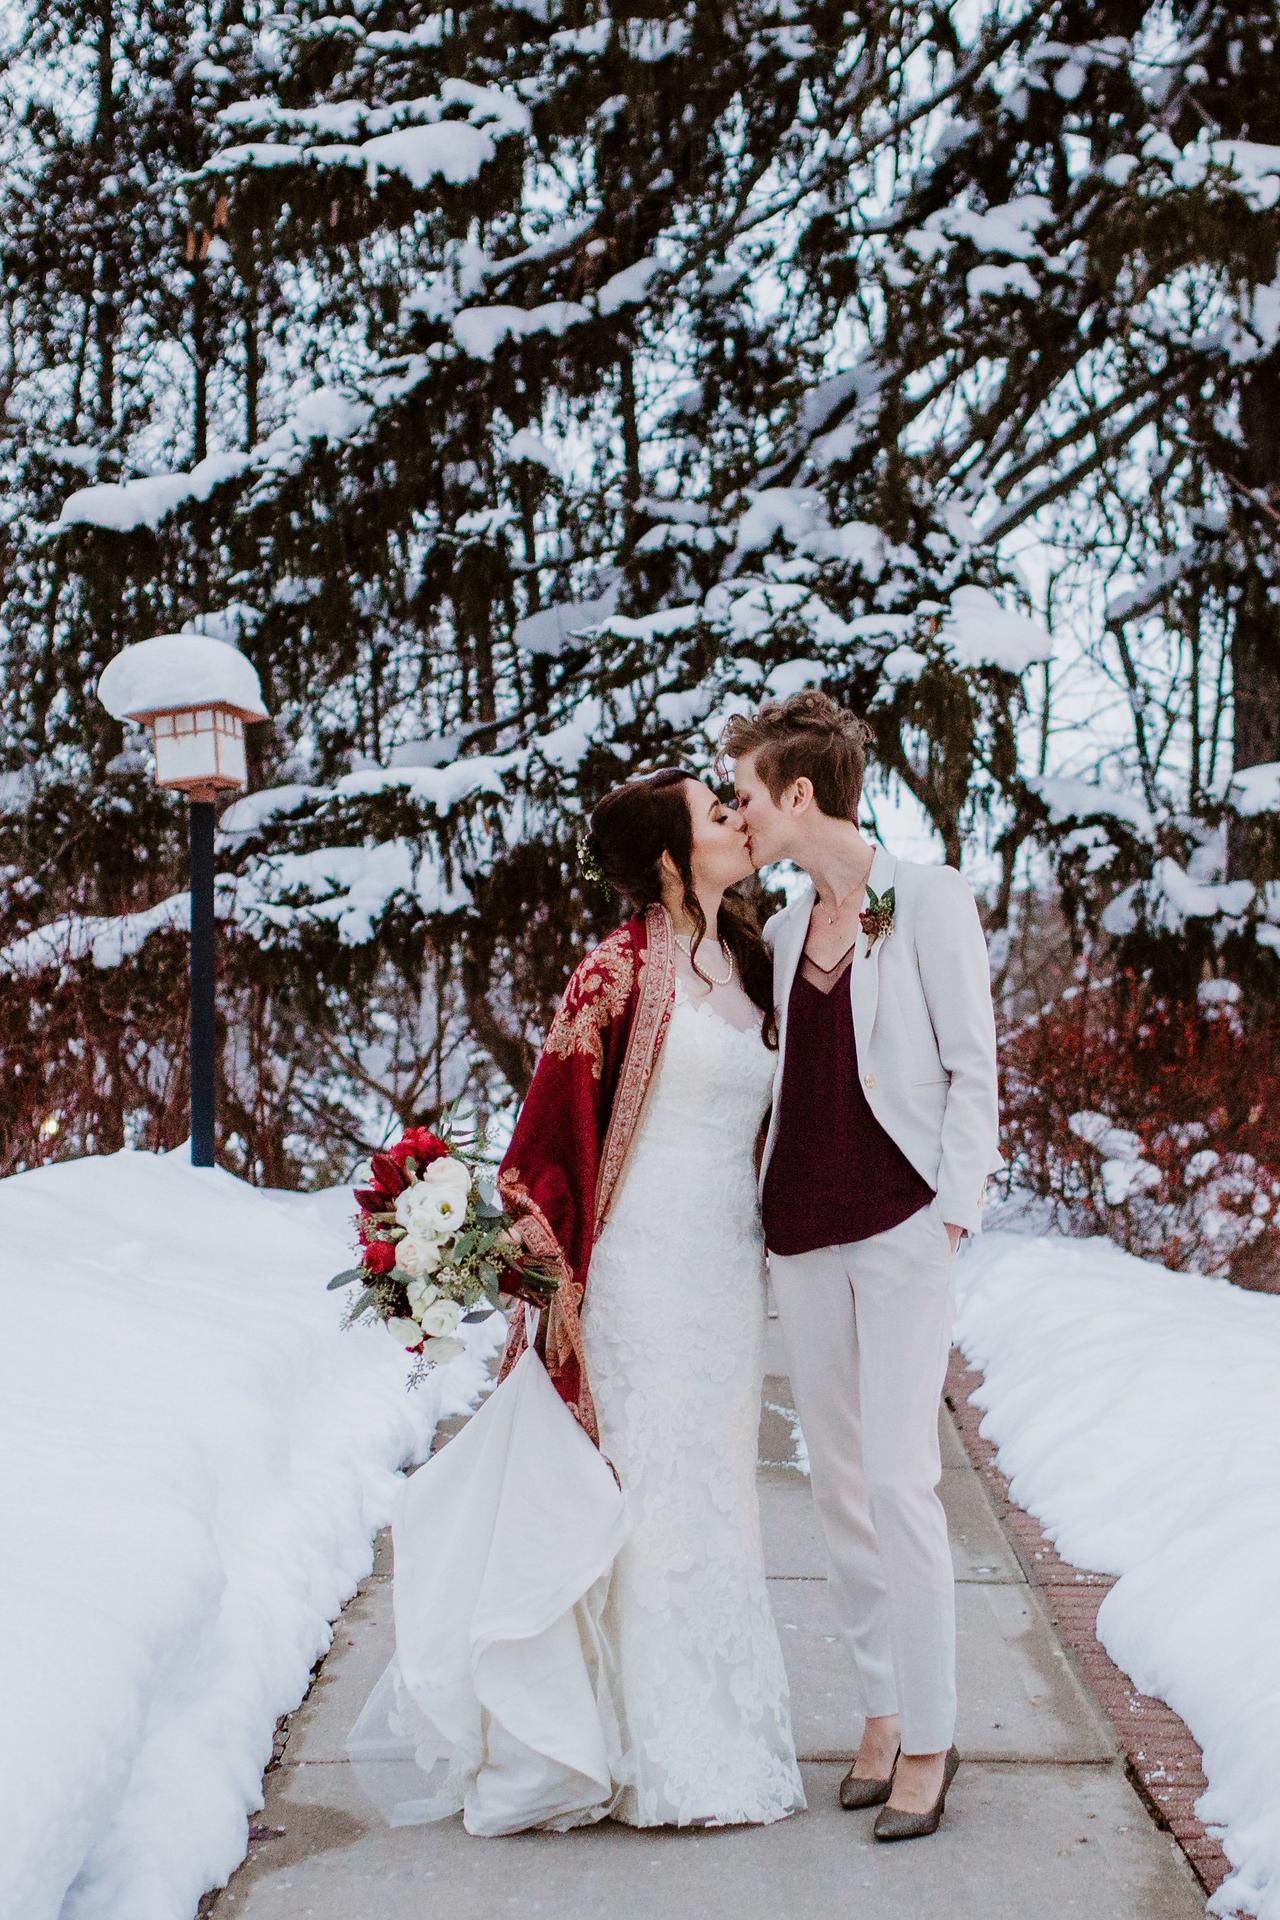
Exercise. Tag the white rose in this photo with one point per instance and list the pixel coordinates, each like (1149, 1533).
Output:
(406, 1333)
(435, 1207)
(440, 1351)
(411, 1206)
(447, 1173)
(417, 1256)
(421, 1294)
(434, 1212)
(441, 1317)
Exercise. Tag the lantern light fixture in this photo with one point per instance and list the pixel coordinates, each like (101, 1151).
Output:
(196, 694)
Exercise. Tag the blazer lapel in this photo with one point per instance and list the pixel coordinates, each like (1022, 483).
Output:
(786, 958)
(864, 974)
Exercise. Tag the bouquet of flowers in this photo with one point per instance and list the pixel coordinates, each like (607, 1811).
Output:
(436, 1248)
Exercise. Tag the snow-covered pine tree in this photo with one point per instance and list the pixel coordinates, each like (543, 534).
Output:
(1082, 318)
(570, 433)
(595, 373)
(108, 325)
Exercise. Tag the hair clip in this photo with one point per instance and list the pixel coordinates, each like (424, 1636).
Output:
(590, 866)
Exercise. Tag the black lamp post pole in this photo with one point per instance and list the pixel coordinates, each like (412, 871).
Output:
(202, 1033)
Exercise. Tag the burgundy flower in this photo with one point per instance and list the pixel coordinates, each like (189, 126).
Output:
(379, 1256)
(388, 1174)
(419, 1144)
(373, 1200)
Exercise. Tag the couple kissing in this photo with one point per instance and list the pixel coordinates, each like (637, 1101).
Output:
(583, 1628)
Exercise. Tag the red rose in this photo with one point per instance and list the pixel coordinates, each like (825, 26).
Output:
(420, 1144)
(379, 1256)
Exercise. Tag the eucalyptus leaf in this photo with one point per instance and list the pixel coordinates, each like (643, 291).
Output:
(344, 1279)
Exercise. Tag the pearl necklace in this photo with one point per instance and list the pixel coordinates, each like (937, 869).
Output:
(686, 946)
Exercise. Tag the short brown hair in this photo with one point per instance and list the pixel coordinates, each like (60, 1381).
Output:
(809, 737)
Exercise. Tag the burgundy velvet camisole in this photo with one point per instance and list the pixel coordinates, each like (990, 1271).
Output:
(834, 1175)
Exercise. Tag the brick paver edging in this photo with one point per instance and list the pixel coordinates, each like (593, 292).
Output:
(1164, 1761)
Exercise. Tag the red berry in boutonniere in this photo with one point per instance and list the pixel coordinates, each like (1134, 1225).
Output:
(876, 918)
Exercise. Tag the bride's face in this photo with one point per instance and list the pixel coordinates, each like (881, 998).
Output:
(720, 854)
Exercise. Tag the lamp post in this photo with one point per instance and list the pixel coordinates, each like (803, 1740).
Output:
(196, 694)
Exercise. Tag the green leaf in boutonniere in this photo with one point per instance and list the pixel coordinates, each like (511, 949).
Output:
(876, 918)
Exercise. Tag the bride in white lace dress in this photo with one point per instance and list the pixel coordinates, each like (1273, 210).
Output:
(674, 1329)
(650, 1688)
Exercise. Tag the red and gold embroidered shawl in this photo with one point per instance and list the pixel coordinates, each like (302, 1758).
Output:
(579, 1119)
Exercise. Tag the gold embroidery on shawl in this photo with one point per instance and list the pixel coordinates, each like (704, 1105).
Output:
(531, 1226)
(657, 993)
(595, 997)
(563, 1327)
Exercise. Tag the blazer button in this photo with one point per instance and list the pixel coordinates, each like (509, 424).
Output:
(868, 1080)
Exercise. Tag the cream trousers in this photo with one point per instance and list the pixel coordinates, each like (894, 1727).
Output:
(867, 1327)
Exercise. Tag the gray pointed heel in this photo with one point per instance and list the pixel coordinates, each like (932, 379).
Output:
(858, 1791)
(893, 1824)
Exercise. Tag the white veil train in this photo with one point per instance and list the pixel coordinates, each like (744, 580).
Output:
(496, 1702)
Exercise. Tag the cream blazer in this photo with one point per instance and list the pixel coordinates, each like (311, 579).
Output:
(924, 1025)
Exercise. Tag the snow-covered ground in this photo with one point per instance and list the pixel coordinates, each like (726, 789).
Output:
(1137, 1415)
(193, 1462)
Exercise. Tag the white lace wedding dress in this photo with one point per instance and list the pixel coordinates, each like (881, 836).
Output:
(638, 1673)
(674, 1332)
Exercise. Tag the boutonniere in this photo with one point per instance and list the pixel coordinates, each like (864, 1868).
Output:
(876, 917)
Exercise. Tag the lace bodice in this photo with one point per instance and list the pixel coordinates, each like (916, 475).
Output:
(711, 1092)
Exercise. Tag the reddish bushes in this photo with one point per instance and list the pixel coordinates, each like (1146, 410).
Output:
(1154, 1122)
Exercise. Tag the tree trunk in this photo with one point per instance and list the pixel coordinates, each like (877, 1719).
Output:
(1255, 637)
(105, 305)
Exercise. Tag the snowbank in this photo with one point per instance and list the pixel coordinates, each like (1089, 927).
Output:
(195, 1459)
(1137, 1414)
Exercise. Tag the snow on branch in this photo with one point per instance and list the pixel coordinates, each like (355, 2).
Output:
(1256, 790)
(982, 633)
(107, 940)
(124, 506)
(480, 330)
(1068, 801)
(412, 138)
(1170, 897)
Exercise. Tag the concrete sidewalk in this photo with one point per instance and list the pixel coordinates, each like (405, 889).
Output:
(1042, 1823)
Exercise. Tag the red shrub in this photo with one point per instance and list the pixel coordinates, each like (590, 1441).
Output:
(1150, 1120)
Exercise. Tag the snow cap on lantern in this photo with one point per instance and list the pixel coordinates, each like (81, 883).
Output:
(195, 693)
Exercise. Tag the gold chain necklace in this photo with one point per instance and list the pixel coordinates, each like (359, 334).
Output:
(831, 918)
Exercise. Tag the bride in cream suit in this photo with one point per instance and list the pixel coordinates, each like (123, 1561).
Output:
(882, 1136)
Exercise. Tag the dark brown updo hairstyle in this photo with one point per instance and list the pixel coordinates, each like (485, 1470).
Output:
(630, 830)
